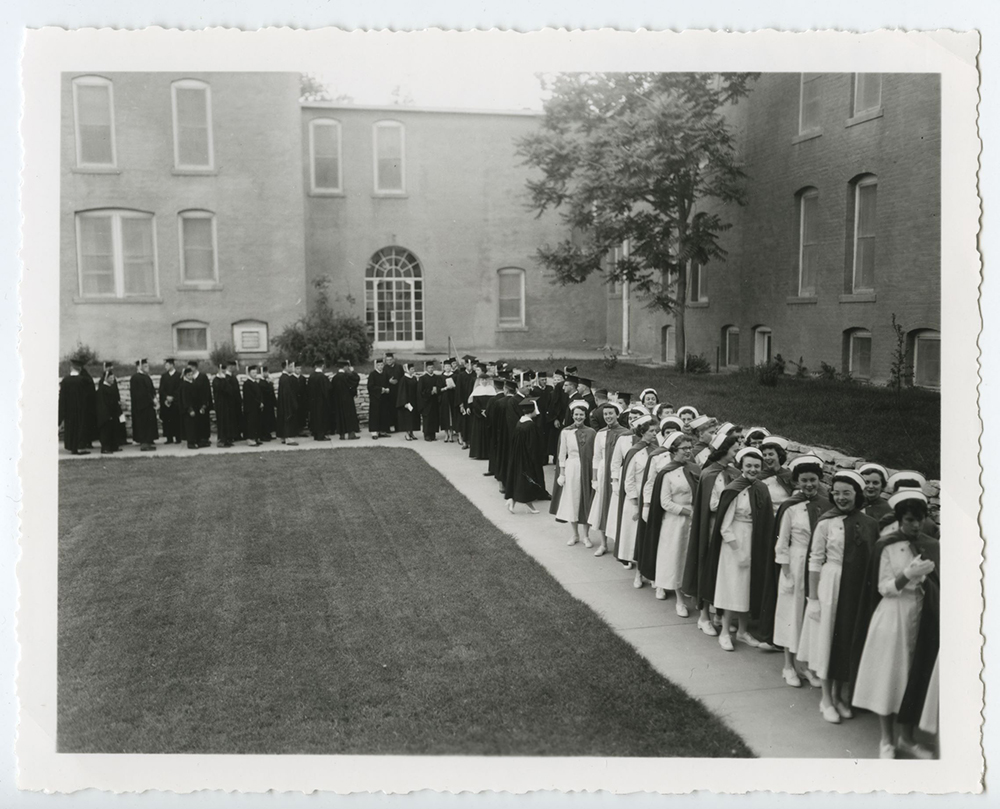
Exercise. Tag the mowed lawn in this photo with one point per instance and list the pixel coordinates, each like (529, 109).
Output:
(343, 601)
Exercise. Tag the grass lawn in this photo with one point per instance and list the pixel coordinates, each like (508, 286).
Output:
(872, 422)
(347, 601)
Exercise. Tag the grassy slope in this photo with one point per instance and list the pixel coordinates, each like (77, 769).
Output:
(902, 432)
(321, 602)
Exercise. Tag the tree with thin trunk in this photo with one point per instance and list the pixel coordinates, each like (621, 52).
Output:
(646, 159)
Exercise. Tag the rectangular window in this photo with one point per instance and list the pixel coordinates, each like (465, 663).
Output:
(927, 361)
(732, 346)
(192, 125)
(808, 243)
(324, 143)
(864, 236)
(198, 263)
(191, 339)
(861, 355)
(250, 337)
(95, 129)
(762, 346)
(116, 254)
(867, 92)
(809, 107)
(696, 282)
(389, 158)
(511, 298)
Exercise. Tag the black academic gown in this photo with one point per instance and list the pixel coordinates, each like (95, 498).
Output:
(73, 400)
(288, 405)
(253, 407)
(555, 418)
(170, 406)
(204, 417)
(407, 418)
(268, 401)
(491, 430)
(108, 411)
(223, 395)
(394, 377)
(89, 428)
(189, 401)
(476, 419)
(319, 404)
(143, 394)
(122, 434)
(343, 389)
(236, 406)
(375, 383)
(302, 411)
(525, 480)
(447, 417)
(429, 402)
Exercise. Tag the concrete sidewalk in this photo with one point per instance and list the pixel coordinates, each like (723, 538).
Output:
(743, 687)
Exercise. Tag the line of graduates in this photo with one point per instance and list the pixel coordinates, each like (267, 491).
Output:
(253, 410)
(842, 577)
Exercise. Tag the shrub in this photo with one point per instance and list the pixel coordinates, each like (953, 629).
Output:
(827, 371)
(223, 353)
(610, 359)
(697, 364)
(900, 372)
(83, 353)
(325, 335)
(801, 371)
(779, 363)
(767, 373)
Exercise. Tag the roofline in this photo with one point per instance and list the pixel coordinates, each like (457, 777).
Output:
(333, 105)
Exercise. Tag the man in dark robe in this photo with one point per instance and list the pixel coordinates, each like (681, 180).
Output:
(505, 416)
(203, 390)
(222, 393)
(394, 374)
(429, 400)
(288, 404)
(121, 433)
(584, 391)
(319, 403)
(236, 401)
(89, 432)
(525, 481)
(109, 413)
(481, 394)
(143, 394)
(302, 394)
(597, 410)
(555, 413)
(189, 403)
(407, 404)
(170, 406)
(379, 402)
(73, 399)
(465, 380)
(253, 406)
(268, 401)
(343, 389)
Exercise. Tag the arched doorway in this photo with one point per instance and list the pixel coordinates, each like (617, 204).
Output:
(394, 299)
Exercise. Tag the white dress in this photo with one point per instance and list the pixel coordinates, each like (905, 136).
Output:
(892, 635)
(732, 581)
(827, 559)
(929, 716)
(779, 494)
(619, 452)
(632, 477)
(569, 466)
(597, 474)
(791, 548)
(675, 495)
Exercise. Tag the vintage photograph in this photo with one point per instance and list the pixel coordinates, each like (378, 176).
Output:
(596, 418)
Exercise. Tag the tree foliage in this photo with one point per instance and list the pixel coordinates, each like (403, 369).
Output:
(633, 157)
(324, 334)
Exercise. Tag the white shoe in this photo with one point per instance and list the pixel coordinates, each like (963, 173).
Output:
(814, 681)
(914, 750)
(708, 628)
(637, 581)
(764, 646)
(681, 609)
(726, 642)
(572, 541)
(748, 639)
(587, 543)
(886, 750)
(601, 550)
(791, 678)
(829, 714)
(844, 710)
(661, 594)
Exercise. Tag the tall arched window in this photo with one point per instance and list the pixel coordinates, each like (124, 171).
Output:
(394, 299)
(511, 298)
(94, 115)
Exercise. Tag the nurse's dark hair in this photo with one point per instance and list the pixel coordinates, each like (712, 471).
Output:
(782, 455)
(815, 468)
(859, 492)
(912, 508)
(724, 447)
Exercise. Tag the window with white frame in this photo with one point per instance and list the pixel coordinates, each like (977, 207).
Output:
(511, 297)
(668, 343)
(199, 261)
(809, 103)
(865, 197)
(867, 92)
(191, 338)
(94, 115)
(927, 359)
(731, 346)
(860, 354)
(325, 156)
(250, 337)
(761, 345)
(116, 254)
(192, 113)
(808, 242)
(696, 282)
(389, 157)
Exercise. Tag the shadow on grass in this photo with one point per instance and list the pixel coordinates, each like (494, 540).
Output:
(349, 602)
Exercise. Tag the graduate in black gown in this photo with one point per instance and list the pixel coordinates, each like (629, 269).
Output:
(525, 481)
(189, 402)
(319, 403)
(479, 396)
(502, 429)
(109, 411)
(429, 400)
(288, 404)
(73, 401)
(555, 412)
(379, 404)
(203, 390)
(343, 389)
(89, 429)
(143, 394)
(121, 434)
(253, 406)
(170, 407)
(394, 375)
(466, 381)
(302, 390)
(447, 415)
(268, 402)
(235, 401)
(222, 393)
(407, 406)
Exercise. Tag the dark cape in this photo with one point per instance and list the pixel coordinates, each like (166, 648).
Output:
(407, 420)
(319, 404)
(490, 430)
(860, 536)
(501, 435)
(640, 529)
(638, 445)
(252, 408)
(769, 600)
(143, 394)
(288, 404)
(555, 411)
(925, 650)
(343, 389)
(614, 434)
(878, 510)
(699, 575)
(647, 552)
(585, 437)
(525, 480)
(784, 475)
(170, 405)
(762, 516)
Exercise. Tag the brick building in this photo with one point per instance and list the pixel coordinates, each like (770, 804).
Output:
(842, 230)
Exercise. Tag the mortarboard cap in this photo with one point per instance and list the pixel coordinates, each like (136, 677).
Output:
(171, 360)
(251, 368)
(624, 397)
(143, 361)
(582, 380)
(389, 355)
(192, 363)
(467, 357)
